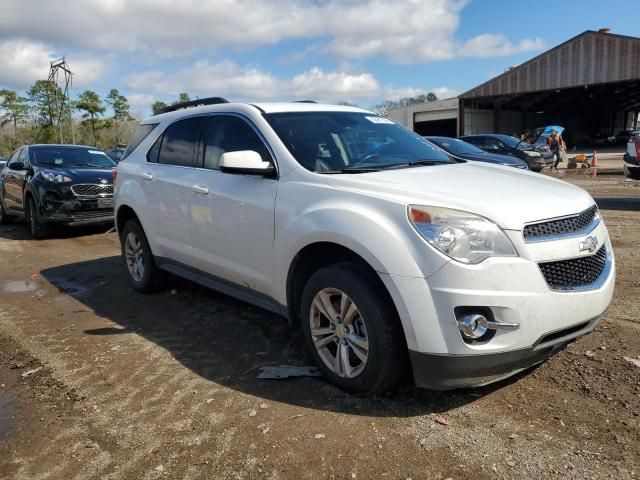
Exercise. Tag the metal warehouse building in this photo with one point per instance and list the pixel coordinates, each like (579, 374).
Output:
(590, 85)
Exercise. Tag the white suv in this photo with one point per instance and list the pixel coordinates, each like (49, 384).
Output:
(390, 256)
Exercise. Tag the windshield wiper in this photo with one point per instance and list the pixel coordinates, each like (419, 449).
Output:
(89, 165)
(352, 170)
(418, 163)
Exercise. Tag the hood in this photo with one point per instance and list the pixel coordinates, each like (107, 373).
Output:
(510, 197)
(82, 175)
(494, 158)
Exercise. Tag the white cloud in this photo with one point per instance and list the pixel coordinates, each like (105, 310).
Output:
(489, 45)
(140, 103)
(230, 80)
(24, 62)
(404, 31)
(446, 92)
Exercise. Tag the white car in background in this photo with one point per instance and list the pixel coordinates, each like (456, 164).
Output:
(391, 257)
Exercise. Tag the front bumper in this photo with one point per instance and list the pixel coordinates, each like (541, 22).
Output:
(446, 372)
(73, 211)
(515, 291)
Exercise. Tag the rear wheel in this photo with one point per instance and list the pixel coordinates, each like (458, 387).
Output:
(352, 329)
(36, 225)
(142, 271)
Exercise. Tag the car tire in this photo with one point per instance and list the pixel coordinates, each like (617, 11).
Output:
(374, 325)
(4, 218)
(632, 172)
(37, 227)
(142, 272)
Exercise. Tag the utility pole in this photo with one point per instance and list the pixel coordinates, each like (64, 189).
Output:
(62, 103)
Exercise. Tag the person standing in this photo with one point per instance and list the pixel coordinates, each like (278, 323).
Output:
(556, 146)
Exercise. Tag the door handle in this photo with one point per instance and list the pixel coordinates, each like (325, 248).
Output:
(201, 189)
(147, 176)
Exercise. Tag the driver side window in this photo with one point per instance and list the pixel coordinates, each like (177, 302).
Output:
(492, 143)
(231, 134)
(13, 159)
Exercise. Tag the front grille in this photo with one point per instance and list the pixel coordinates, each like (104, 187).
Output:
(577, 272)
(92, 190)
(89, 214)
(562, 226)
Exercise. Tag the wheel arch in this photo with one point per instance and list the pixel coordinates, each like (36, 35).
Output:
(319, 254)
(123, 215)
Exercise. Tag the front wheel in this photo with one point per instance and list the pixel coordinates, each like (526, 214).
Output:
(4, 218)
(633, 172)
(352, 329)
(37, 227)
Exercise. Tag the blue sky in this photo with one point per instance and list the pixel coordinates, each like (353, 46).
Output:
(362, 51)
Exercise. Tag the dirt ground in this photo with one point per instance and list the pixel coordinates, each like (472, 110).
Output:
(164, 386)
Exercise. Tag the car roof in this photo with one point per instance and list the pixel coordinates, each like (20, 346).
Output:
(59, 145)
(281, 107)
(440, 138)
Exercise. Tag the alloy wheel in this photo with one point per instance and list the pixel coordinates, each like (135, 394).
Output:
(339, 333)
(134, 256)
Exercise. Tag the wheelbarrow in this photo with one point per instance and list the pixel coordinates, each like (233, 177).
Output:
(585, 161)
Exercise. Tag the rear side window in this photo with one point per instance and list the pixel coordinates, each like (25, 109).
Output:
(179, 142)
(138, 136)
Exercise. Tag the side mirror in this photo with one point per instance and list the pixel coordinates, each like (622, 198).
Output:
(17, 166)
(245, 162)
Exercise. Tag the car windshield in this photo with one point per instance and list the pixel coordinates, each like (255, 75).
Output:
(455, 145)
(351, 142)
(511, 141)
(63, 156)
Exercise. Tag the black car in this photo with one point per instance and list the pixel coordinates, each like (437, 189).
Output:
(465, 151)
(65, 184)
(116, 154)
(508, 145)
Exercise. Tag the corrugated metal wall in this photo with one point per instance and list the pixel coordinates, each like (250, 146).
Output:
(590, 58)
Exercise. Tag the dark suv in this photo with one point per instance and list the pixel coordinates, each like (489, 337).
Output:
(508, 145)
(65, 184)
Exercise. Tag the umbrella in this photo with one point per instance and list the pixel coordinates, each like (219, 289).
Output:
(557, 128)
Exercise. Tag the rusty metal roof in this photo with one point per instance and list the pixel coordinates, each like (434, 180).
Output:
(590, 58)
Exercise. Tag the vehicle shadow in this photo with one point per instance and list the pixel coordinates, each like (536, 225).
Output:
(226, 341)
(20, 231)
(631, 204)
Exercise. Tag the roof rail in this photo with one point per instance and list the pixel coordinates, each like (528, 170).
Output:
(194, 103)
(305, 101)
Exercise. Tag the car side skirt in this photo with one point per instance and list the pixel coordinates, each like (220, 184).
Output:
(221, 285)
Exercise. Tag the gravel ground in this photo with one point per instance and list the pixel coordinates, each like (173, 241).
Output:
(100, 382)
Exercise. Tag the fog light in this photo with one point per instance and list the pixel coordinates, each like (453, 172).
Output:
(473, 326)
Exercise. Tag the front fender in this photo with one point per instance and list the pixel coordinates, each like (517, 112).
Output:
(376, 230)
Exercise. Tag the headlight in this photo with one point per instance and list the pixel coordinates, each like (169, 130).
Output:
(463, 236)
(532, 154)
(55, 177)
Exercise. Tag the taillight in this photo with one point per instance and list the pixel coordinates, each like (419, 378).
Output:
(637, 147)
(114, 174)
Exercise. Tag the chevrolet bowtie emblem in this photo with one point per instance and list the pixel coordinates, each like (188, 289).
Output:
(589, 244)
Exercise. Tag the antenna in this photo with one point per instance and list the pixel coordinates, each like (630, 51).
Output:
(61, 104)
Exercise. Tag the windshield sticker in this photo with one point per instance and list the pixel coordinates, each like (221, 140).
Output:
(380, 120)
(96, 152)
